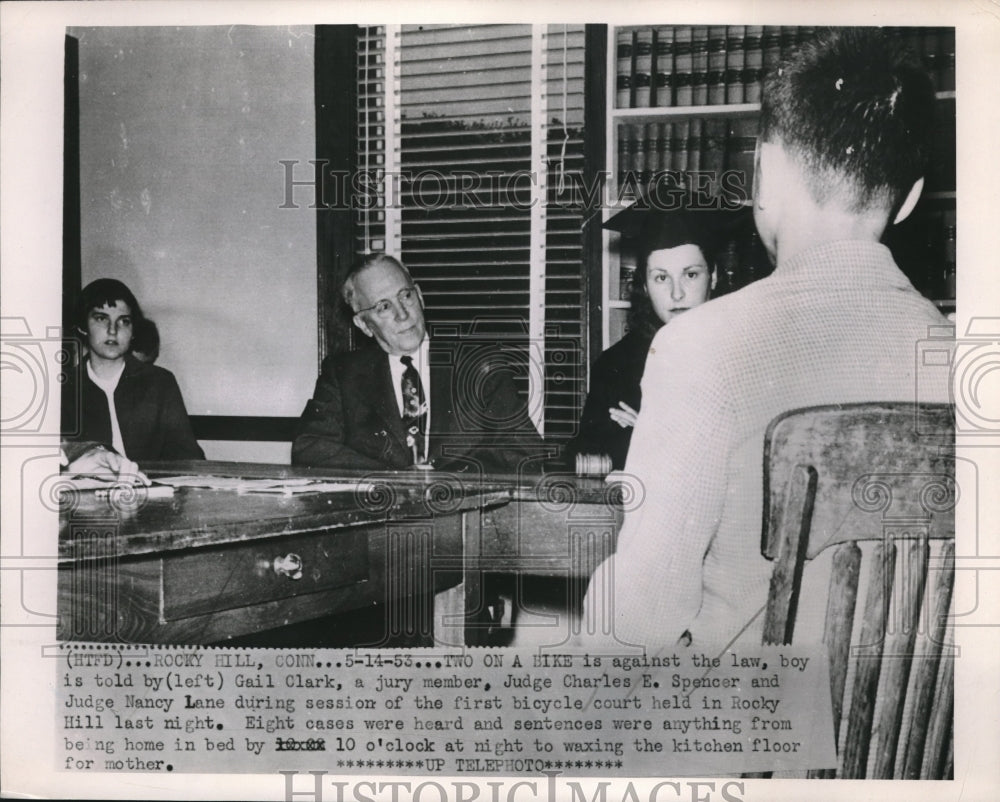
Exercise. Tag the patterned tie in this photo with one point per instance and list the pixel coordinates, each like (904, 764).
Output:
(414, 408)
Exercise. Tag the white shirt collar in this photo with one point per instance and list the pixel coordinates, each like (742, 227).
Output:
(108, 384)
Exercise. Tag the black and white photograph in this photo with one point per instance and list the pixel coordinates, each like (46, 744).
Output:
(461, 404)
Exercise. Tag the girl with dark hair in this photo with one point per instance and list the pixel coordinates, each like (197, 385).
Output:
(115, 399)
(673, 274)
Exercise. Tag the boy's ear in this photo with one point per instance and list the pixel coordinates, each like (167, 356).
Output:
(773, 172)
(911, 200)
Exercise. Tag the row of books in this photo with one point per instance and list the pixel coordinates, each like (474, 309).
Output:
(722, 150)
(699, 65)
(716, 153)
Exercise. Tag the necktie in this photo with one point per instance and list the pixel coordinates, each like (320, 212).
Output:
(414, 408)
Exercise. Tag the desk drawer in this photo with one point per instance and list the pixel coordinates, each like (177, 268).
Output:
(529, 538)
(241, 575)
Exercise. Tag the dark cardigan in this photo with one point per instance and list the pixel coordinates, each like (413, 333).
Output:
(151, 413)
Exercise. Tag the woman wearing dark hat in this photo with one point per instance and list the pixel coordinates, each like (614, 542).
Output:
(674, 273)
(116, 400)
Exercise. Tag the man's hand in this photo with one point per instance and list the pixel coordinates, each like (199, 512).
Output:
(623, 415)
(99, 461)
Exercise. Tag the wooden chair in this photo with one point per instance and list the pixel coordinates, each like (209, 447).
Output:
(837, 476)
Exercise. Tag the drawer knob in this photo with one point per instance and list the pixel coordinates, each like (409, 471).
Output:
(289, 566)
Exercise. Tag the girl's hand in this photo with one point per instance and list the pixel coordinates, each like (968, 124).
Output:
(106, 464)
(623, 415)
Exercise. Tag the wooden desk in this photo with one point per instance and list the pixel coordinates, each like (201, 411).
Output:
(207, 565)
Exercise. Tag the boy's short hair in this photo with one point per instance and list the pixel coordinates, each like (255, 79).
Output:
(347, 288)
(856, 109)
(105, 292)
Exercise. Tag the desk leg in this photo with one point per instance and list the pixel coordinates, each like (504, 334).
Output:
(458, 610)
(472, 578)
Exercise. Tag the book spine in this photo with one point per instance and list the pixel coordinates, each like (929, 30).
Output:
(623, 69)
(643, 78)
(682, 66)
(735, 63)
(699, 65)
(654, 155)
(664, 67)
(654, 57)
(740, 148)
(713, 152)
(771, 46)
(638, 166)
(694, 146)
(679, 155)
(753, 72)
(664, 147)
(624, 157)
(717, 65)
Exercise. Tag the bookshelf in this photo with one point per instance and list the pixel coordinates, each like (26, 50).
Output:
(684, 100)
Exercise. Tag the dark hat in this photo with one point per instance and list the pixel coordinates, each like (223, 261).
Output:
(654, 229)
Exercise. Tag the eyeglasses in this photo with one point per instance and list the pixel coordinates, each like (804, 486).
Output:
(406, 297)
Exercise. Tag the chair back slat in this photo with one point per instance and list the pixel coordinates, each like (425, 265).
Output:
(928, 662)
(787, 575)
(938, 758)
(840, 622)
(898, 653)
(868, 652)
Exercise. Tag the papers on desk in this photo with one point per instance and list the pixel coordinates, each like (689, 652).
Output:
(285, 487)
(103, 488)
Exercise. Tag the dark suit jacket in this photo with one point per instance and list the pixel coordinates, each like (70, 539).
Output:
(614, 377)
(478, 421)
(150, 409)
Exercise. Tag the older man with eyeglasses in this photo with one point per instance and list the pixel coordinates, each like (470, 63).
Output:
(411, 402)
